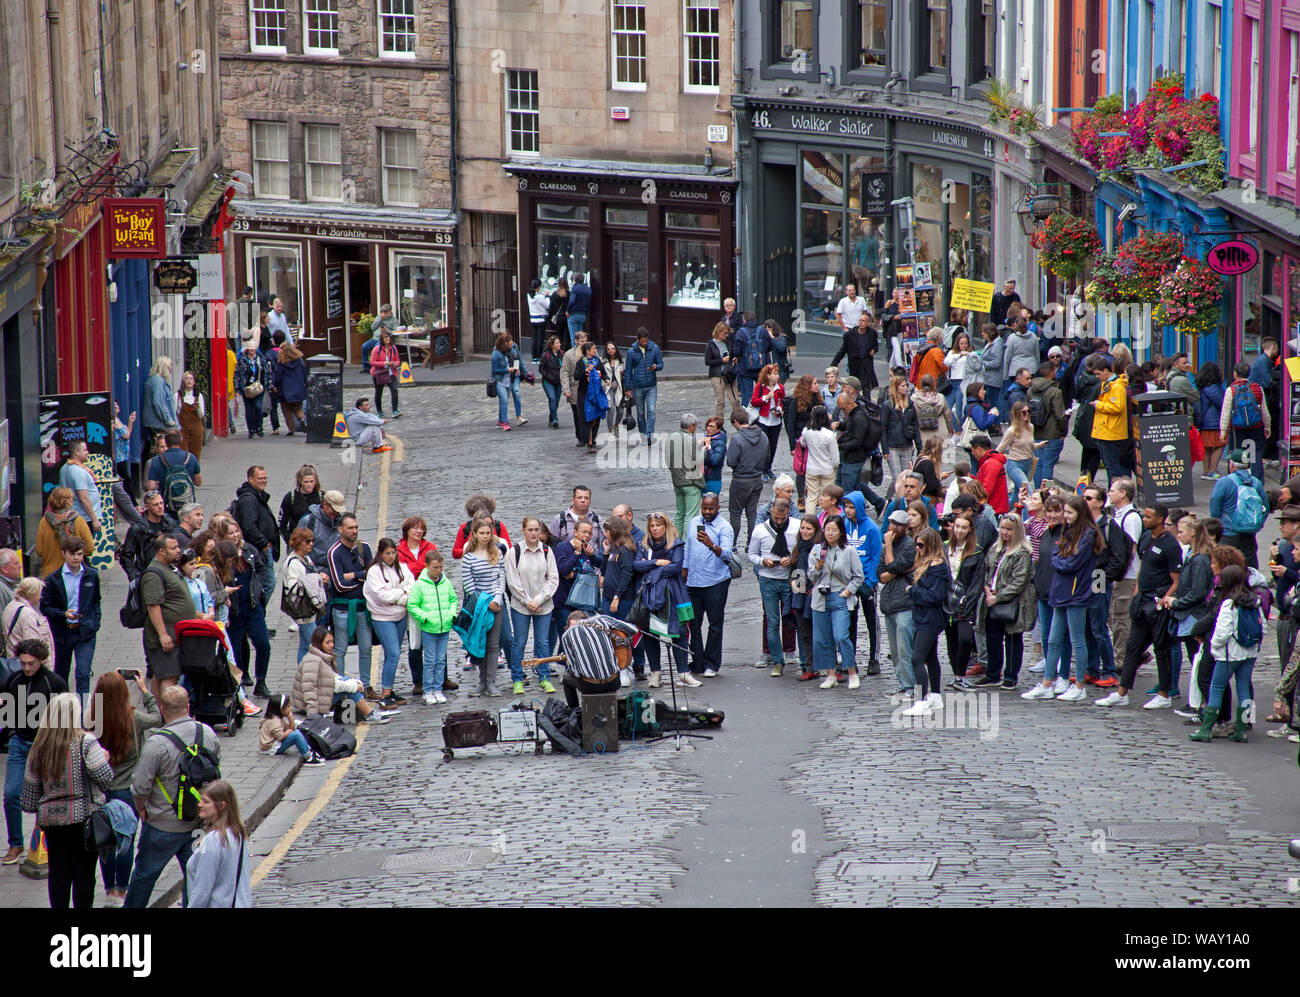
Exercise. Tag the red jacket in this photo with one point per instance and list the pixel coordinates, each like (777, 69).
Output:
(462, 537)
(992, 474)
(414, 559)
(759, 399)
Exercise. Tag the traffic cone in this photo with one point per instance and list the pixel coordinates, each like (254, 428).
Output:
(341, 436)
(404, 376)
(36, 865)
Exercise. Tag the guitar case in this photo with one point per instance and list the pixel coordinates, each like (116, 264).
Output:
(687, 718)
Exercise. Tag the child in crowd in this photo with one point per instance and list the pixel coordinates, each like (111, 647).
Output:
(278, 732)
(432, 604)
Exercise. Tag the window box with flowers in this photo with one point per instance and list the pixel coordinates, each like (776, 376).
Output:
(1189, 298)
(1164, 129)
(1132, 274)
(1065, 244)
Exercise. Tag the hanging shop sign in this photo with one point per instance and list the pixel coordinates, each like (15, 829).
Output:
(137, 227)
(175, 276)
(1232, 258)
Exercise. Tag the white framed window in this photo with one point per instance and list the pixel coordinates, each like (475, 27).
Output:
(398, 156)
(1216, 48)
(419, 282)
(271, 159)
(1179, 40)
(523, 113)
(700, 23)
(267, 25)
(1293, 99)
(324, 162)
(397, 29)
(320, 23)
(1147, 73)
(1252, 85)
(627, 20)
(275, 271)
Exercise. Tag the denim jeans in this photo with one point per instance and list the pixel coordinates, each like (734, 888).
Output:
(775, 593)
(1048, 455)
(1112, 459)
(253, 415)
(646, 399)
(830, 634)
(266, 575)
(389, 633)
(1224, 670)
(251, 627)
(83, 652)
(1017, 475)
(956, 401)
(898, 626)
(1101, 653)
(339, 617)
(294, 739)
(745, 387)
(1069, 632)
(504, 394)
(115, 866)
(849, 475)
(519, 624)
(553, 396)
(305, 630)
(157, 848)
(434, 652)
(576, 321)
(15, 766)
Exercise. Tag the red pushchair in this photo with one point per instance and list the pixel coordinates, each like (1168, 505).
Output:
(205, 668)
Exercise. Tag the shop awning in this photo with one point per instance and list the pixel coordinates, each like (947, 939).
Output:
(608, 168)
(343, 214)
(1280, 220)
(1060, 158)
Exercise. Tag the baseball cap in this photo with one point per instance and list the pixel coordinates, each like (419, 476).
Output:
(334, 499)
(898, 516)
(1056, 351)
(1238, 456)
(852, 382)
(1290, 513)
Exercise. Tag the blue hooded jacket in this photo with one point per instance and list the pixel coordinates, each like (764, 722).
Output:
(863, 535)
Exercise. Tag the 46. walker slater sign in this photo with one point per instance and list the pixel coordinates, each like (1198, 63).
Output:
(816, 123)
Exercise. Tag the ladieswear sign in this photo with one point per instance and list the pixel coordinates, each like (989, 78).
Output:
(1233, 258)
(136, 227)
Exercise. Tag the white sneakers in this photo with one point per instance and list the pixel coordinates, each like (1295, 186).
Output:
(688, 679)
(1061, 686)
(921, 708)
(654, 680)
(934, 701)
(710, 673)
(1114, 699)
(1038, 666)
(763, 663)
(1039, 691)
(854, 681)
(830, 682)
(1072, 695)
(625, 678)
(430, 699)
(1158, 702)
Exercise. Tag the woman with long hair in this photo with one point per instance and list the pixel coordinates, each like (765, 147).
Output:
(60, 522)
(804, 399)
(966, 563)
(769, 398)
(918, 518)
(1069, 596)
(122, 451)
(483, 574)
(548, 369)
(507, 368)
(665, 553)
(532, 576)
(931, 579)
(933, 416)
(1234, 648)
(834, 577)
(929, 465)
(960, 361)
(219, 871)
(1195, 581)
(387, 588)
(247, 615)
(298, 569)
(1008, 570)
(297, 502)
(158, 406)
(902, 432)
(595, 403)
(611, 372)
(1210, 390)
(385, 365)
(66, 779)
(823, 456)
(722, 370)
(190, 409)
(290, 374)
(557, 307)
(810, 535)
(1018, 444)
(319, 688)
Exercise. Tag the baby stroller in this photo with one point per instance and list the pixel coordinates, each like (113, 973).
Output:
(205, 665)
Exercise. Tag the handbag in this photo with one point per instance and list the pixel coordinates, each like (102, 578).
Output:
(585, 594)
(734, 567)
(968, 431)
(97, 830)
(800, 458)
(1004, 613)
(639, 615)
(254, 390)
(491, 387)
(874, 472)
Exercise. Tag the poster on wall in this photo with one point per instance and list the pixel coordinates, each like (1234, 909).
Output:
(1291, 412)
(73, 418)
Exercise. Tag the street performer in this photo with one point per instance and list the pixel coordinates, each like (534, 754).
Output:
(588, 647)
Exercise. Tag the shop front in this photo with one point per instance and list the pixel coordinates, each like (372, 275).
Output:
(824, 212)
(81, 322)
(331, 273)
(657, 248)
(21, 337)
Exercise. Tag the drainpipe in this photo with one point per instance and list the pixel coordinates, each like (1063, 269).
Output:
(737, 155)
(455, 199)
(55, 43)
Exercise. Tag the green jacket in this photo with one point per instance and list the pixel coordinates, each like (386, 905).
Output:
(433, 604)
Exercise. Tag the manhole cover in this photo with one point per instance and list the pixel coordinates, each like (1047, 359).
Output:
(1013, 831)
(446, 859)
(1167, 831)
(852, 869)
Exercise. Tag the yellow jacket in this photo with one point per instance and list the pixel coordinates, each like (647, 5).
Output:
(1111, 422)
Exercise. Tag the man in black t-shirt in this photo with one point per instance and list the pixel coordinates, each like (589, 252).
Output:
(1160, 561)
(27, 692)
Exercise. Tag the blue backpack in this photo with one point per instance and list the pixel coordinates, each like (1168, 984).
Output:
(1250, 627)
(1245, 409)
(1250, 513)
(752, 357)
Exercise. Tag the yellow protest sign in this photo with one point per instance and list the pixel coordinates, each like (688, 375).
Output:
(974, 295)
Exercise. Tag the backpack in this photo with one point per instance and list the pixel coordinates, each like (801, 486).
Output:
(1250, 513)
(177, 483)
(875, 423)
(752, 358)
(1250, 627)
(1245, 408)
(367, 348)
(197, 767)
(1039, 413)
(913, 372)
(296, 602)
(133, 614)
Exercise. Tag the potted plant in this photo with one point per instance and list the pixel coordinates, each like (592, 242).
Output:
(1065, 244)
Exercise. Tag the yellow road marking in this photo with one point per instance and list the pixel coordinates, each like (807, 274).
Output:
(385, 475)
(317, 805)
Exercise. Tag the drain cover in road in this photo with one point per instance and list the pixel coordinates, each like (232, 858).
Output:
(1167, 831)
(367, 863)
(854, 869)
(448, 859)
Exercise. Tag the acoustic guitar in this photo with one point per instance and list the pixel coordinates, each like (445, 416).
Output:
(621, 642)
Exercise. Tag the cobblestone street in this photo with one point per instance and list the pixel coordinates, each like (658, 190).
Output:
(803, 797)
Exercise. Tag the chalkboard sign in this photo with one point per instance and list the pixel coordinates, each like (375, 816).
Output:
(324, 396)
(333, 292)
(81, 418)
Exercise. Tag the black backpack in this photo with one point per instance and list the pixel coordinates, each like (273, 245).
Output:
(198, 766)
(1039, 412)
(133, 614)
(875, 423)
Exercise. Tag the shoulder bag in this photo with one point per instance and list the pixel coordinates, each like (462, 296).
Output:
(1003, 613)
(97, 830)
(585, 593)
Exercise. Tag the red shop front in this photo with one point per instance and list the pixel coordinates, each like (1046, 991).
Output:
(81, 292)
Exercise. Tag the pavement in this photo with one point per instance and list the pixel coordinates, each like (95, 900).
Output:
(804, 797)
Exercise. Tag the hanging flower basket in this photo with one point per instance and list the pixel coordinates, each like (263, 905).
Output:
(1065, 244)
(1132, 274)
(1189, 298)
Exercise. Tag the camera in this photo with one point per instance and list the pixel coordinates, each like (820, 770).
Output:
(824, 589)
(947, 518)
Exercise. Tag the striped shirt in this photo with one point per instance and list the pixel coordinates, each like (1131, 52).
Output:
(477, 574)
(587, 651)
